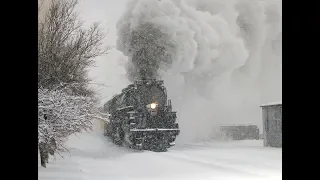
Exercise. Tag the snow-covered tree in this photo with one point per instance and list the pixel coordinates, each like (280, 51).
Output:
(66, 51)
(61, 115)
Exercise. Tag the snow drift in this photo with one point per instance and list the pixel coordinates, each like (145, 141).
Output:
(220, 59)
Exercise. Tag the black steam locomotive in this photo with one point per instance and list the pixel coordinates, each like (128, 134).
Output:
(141, 117)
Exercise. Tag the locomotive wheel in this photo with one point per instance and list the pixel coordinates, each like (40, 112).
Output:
(127, 143)
(105, 131)
(118, 136)
(159, 146)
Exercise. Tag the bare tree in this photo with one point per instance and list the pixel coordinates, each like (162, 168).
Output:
(66, 49)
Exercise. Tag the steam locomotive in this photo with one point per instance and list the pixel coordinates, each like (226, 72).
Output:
(141, 117)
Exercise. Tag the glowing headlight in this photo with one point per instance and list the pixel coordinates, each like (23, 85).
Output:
(153, 105)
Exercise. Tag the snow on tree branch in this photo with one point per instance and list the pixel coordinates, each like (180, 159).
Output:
(61, 115)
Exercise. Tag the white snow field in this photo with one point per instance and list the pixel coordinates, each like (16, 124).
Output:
(93, 157)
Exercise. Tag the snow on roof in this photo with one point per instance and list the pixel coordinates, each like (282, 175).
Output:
(272, 104)
(242, 124)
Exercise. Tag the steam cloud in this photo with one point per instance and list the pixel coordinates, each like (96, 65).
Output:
(220, 59)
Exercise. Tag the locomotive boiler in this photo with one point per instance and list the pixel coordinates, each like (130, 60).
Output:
(141, 117)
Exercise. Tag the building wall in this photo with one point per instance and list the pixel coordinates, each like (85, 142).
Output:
(264, 125)
(272, 125)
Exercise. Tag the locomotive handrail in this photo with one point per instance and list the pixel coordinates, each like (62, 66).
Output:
(119, 109)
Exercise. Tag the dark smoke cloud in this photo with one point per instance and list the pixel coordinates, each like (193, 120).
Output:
(148, 49)
(220, 59)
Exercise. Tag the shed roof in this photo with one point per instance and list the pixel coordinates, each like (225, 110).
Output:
(243, 124)
(272, 104)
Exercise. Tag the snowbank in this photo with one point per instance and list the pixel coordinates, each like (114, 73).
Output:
(93, 157)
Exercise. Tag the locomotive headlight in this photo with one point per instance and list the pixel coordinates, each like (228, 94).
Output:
(153, 105)
(152, 108)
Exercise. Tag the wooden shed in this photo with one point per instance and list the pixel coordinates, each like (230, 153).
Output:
(272, 124)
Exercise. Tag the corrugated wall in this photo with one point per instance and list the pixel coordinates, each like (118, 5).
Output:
(272, 122)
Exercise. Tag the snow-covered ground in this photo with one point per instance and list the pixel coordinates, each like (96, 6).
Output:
(93, 157)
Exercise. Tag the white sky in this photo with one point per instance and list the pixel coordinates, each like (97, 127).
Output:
(109, 69)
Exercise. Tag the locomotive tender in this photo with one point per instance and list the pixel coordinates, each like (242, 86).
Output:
(141, 117)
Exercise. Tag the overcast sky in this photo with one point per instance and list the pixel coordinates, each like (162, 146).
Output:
(236, 97)
(109, 69)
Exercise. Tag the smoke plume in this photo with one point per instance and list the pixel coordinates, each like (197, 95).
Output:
(219, 59)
